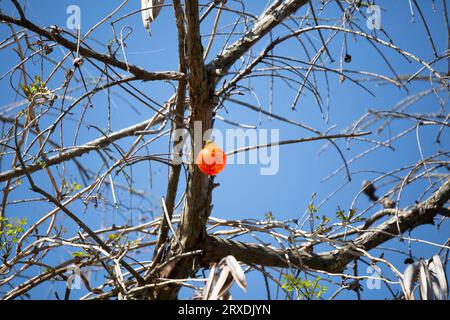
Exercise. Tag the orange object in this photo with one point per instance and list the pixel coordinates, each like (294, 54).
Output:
(211, 159)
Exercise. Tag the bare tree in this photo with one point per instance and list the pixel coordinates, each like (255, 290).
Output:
(154, 259)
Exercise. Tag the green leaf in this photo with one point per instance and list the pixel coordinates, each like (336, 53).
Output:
(80, 254)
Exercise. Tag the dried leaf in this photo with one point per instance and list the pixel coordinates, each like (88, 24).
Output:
(227, 296)
(237, 272)
(439, 278)
(225, 291)
(425, 282)
(222, 284)
(209, 283)
(409, 278)
(198, 295)
(150, 10)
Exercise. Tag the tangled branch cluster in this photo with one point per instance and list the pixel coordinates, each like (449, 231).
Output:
(55, 177)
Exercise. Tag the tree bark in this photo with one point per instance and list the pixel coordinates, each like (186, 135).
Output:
(198, 194)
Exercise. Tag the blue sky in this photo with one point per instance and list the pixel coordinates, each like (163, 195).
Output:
(243, 192)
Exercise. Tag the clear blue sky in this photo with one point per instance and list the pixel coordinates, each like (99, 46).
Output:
(243, 192)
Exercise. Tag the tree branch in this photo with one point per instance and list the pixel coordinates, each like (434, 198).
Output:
(333, 261)
(198, 192)
(272, 17)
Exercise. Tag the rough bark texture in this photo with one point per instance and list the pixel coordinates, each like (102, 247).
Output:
(266, 22)
(197, 207)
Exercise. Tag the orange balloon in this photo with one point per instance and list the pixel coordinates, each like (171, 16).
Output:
(211, 160)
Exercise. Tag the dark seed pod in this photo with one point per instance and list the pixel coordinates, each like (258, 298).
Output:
(347, 58)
